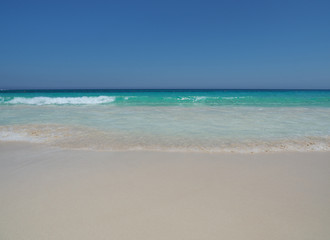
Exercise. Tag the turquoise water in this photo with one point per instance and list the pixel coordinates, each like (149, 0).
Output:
(169, 120)
(168, 98)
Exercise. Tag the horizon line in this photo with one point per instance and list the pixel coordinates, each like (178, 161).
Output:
(162, 89)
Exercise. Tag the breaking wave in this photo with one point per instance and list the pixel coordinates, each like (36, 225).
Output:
(62, 100)
(166, 99)
(121, 100)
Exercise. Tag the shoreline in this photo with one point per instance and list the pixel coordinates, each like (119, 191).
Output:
(57, 138)
(53, 193)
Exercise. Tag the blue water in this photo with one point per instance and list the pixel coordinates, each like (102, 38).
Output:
(169, 120)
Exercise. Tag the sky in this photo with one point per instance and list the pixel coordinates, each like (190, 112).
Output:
(165, 44)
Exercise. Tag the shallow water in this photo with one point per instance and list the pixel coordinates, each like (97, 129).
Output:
(215, 121)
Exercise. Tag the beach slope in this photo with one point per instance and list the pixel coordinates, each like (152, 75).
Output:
(52, 193)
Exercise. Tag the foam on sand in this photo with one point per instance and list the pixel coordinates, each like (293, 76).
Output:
(82, 137)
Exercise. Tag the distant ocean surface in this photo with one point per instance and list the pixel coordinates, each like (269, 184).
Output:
(169, 120)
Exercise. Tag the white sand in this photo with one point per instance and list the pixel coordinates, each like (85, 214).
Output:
(49, 193)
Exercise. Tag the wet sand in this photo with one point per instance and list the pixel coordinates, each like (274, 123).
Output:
(52, 193)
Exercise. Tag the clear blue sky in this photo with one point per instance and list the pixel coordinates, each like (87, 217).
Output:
(165, 44)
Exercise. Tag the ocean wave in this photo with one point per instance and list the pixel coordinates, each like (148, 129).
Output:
(161, 100)
(233, 98)
(62, 100)
(199, 98)
(126, 100)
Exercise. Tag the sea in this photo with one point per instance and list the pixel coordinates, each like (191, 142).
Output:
(239, 121)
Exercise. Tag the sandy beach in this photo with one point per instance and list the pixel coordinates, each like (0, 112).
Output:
(52, 193)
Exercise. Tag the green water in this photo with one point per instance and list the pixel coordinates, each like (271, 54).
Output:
(271, 98)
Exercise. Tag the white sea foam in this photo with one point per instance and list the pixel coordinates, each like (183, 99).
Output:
(179, 98)
(9, 136)
(62, 100)
(199, 98)
(232, 98)
(190, 98)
